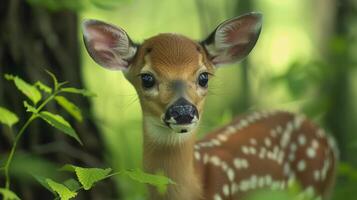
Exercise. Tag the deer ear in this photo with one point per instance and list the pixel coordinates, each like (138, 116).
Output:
(108, 45)
(233, 39)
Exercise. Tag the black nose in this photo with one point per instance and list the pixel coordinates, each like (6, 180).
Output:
(181, 111)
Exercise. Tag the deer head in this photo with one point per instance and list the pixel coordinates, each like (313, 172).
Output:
(170, 72)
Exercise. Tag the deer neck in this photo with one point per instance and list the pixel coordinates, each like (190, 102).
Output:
(171, 154)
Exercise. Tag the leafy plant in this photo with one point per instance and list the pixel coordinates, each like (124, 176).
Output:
(40, 95)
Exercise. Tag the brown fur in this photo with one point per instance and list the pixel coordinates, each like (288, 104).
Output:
(172, 57)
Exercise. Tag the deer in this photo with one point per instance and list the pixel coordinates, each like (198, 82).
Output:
(259, 150)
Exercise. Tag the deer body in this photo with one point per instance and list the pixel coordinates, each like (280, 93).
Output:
(170, 73)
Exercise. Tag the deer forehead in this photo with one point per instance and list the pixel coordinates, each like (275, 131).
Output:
(172, 56)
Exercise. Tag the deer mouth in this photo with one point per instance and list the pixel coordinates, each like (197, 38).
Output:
(183, 128)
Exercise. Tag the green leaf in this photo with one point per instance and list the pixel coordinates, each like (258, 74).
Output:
(43, 87)
(8, 194)
(70, 107)
(55, 82)
(61, 190)
(83, 92)
(29, 108)
(29, 90)
(88, 176)
(72, 184)
(43, 182)
(7, 117)
(58, 122)
(159, 181)
(68, 167)
(347, 170)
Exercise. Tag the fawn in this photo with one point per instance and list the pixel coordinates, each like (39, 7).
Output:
(170, 73)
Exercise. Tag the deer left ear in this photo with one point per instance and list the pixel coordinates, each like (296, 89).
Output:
(108, 45)
(233, 39)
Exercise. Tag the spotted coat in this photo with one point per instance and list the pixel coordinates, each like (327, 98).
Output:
(266, 150)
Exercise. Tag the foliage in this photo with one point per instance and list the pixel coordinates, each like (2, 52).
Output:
(7, 117)
(74, 5)
(85, 177)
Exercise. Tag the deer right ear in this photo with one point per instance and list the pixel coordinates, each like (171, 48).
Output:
(232, 40)
(108, 45)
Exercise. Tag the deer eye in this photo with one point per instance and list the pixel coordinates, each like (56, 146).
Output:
(147, 80)
(203, 79)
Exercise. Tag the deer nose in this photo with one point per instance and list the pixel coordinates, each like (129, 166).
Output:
(181, 112)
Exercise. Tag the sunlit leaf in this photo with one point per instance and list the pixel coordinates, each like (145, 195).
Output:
(8, 194)
(83, 92)
(58, 122)
(43, 87)
(27, 89)
(70, 107)
(159, 181)
(29, 108)
(7, 117)
(89, 176)
(64, 192)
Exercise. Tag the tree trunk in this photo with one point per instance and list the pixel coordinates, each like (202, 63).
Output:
(33, 39)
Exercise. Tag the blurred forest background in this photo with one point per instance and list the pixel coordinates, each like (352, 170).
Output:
(305, 61)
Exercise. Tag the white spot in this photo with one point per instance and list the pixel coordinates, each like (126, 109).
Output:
(252, 150)
(245, 163)
(224, 166)
(286, 169)
(217, 197)
(222, 137)
(244, 186)
(205, 158)
(298, 120)
(268, 179)
(293, 146)
(216, 142)
(320, 133)
(243, 123)
(317, 175)
(225, 190)
(261, 182)
(315, 144)
(230, 130)
(253, 141)
(267, 142)
(302, 139)
(309, 192)
(253, 181)
(245, 149)
(291, 157)
(197, 155)
(310, 152)
(273, 133)
(262, 152)
(215, 160)
(230, 174)
(234, 188)
(301, 166)
(279, 129)
(237, 163)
